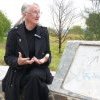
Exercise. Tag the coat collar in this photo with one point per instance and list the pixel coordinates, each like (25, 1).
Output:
(23, 42)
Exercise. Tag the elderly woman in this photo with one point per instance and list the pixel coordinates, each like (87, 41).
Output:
(28, 56)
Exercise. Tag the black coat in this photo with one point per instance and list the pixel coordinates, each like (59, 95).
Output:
(16, 42)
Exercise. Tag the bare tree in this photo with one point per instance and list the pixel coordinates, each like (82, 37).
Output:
(94, 8)
(95, 5)
(62, 15)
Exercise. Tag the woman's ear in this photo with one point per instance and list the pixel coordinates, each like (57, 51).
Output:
(24, 14)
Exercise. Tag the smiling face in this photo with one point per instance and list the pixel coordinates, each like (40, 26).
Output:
(32, 14)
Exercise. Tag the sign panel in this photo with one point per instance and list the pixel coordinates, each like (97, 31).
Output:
(78, 74)
(84, 74)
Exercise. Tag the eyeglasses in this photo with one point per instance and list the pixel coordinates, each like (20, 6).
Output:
(34, 13)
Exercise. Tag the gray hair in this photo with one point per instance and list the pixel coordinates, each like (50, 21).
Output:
(24, 7)
(27, 9)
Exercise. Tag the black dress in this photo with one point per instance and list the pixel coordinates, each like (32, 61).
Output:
(32, 85)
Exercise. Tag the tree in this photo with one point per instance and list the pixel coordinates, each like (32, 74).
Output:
(51, 31)
(76, 30)
(92, 16)
(62, 15)
(95, 6)
(5, 25)
(93, 25)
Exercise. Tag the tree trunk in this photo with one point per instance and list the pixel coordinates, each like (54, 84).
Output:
(60, 43)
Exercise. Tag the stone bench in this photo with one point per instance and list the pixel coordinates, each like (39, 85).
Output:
(3, 70)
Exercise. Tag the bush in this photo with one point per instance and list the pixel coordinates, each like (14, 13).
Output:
(5, 25)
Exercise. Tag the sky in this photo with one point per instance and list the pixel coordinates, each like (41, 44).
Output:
(12, 9)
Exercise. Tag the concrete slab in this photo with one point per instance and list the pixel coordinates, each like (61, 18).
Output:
(78, 75)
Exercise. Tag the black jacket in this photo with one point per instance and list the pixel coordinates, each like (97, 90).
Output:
(16, 42)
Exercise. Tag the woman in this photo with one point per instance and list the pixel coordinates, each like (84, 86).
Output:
(28, 56)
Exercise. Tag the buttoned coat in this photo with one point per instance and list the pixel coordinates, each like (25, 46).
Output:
(16, 42)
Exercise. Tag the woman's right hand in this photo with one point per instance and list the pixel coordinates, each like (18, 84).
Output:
(24, 61)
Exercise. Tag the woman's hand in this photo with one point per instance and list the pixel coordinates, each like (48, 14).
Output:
(40, 61)
(24, 61)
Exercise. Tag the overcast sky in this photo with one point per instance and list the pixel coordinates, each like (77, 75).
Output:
(12, 9)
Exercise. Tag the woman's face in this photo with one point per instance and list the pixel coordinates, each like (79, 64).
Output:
(33, 14)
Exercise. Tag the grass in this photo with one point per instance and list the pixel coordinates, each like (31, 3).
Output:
(55, 53)
(2, 51)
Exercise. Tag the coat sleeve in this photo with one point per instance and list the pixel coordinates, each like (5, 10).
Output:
(47, 46)
(10, 52)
